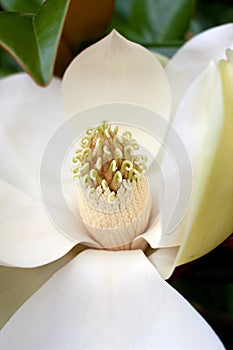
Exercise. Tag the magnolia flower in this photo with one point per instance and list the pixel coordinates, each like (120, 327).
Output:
(112, 295)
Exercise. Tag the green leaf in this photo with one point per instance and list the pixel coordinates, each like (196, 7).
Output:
(149, 22)
(7, 64)
(33, 39)
(31, 6)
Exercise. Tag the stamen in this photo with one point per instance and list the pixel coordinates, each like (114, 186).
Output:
(99, 163)
(86, 142)
(106, 150)
(118, 153)
(89, 132)
(94, 175)
(107, 133)
(126, 166)
(113, 166)
(116, 182)
(112, 197)
(127, 134)
(84, 169)
(98, 148)
(112, 183)
(87, 180)
(104, 185)
(128, 151)
(75, 160)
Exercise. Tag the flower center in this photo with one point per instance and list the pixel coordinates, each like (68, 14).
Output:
(113, 192)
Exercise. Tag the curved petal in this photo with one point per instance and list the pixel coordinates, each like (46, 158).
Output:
(105, 300)
(17, 285)
(116, 70)
(195, 56)
(163, 259)
(212, 205)
(29, 115)
(204, 122)
(28, 238)
(161, 58)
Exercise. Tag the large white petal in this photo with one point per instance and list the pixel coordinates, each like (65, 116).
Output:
(107, 300)
(18, 284)
(116, 70)
(204, 122)
(27, 237)
(195, 56)
(212, 204)
(29, 116)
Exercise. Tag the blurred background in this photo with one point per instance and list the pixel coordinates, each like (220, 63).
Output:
(162, 26)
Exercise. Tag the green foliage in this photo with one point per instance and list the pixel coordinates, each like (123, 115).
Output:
(157, 24)
(33, 39)
(209, 14)
(161, 25)
(7, 64)
(150, 22)
(28, 6)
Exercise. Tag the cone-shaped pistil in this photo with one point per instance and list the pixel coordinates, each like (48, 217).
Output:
(113, 192)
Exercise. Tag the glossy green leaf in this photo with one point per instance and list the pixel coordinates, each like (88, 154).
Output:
(33, 39)
(152, 21)
(26, 6)
(7, 64)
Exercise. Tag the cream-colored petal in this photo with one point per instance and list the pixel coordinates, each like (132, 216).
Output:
(115, 70)
(195, 56)
(171, 190)
(29, 116)
(204, 122)
(107, 300)
(163, 259)
(162, 59)
(17, 284)
(28, 238)
(212, 206)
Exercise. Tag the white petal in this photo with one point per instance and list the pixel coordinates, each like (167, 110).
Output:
(107, 300)
(210, 214)
(206, 130)
(28, 238)
(116, 70)
(29, 116)
(17, 285)
(163, 259)
(195, 56)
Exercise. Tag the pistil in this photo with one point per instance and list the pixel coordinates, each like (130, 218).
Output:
(113, 191)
